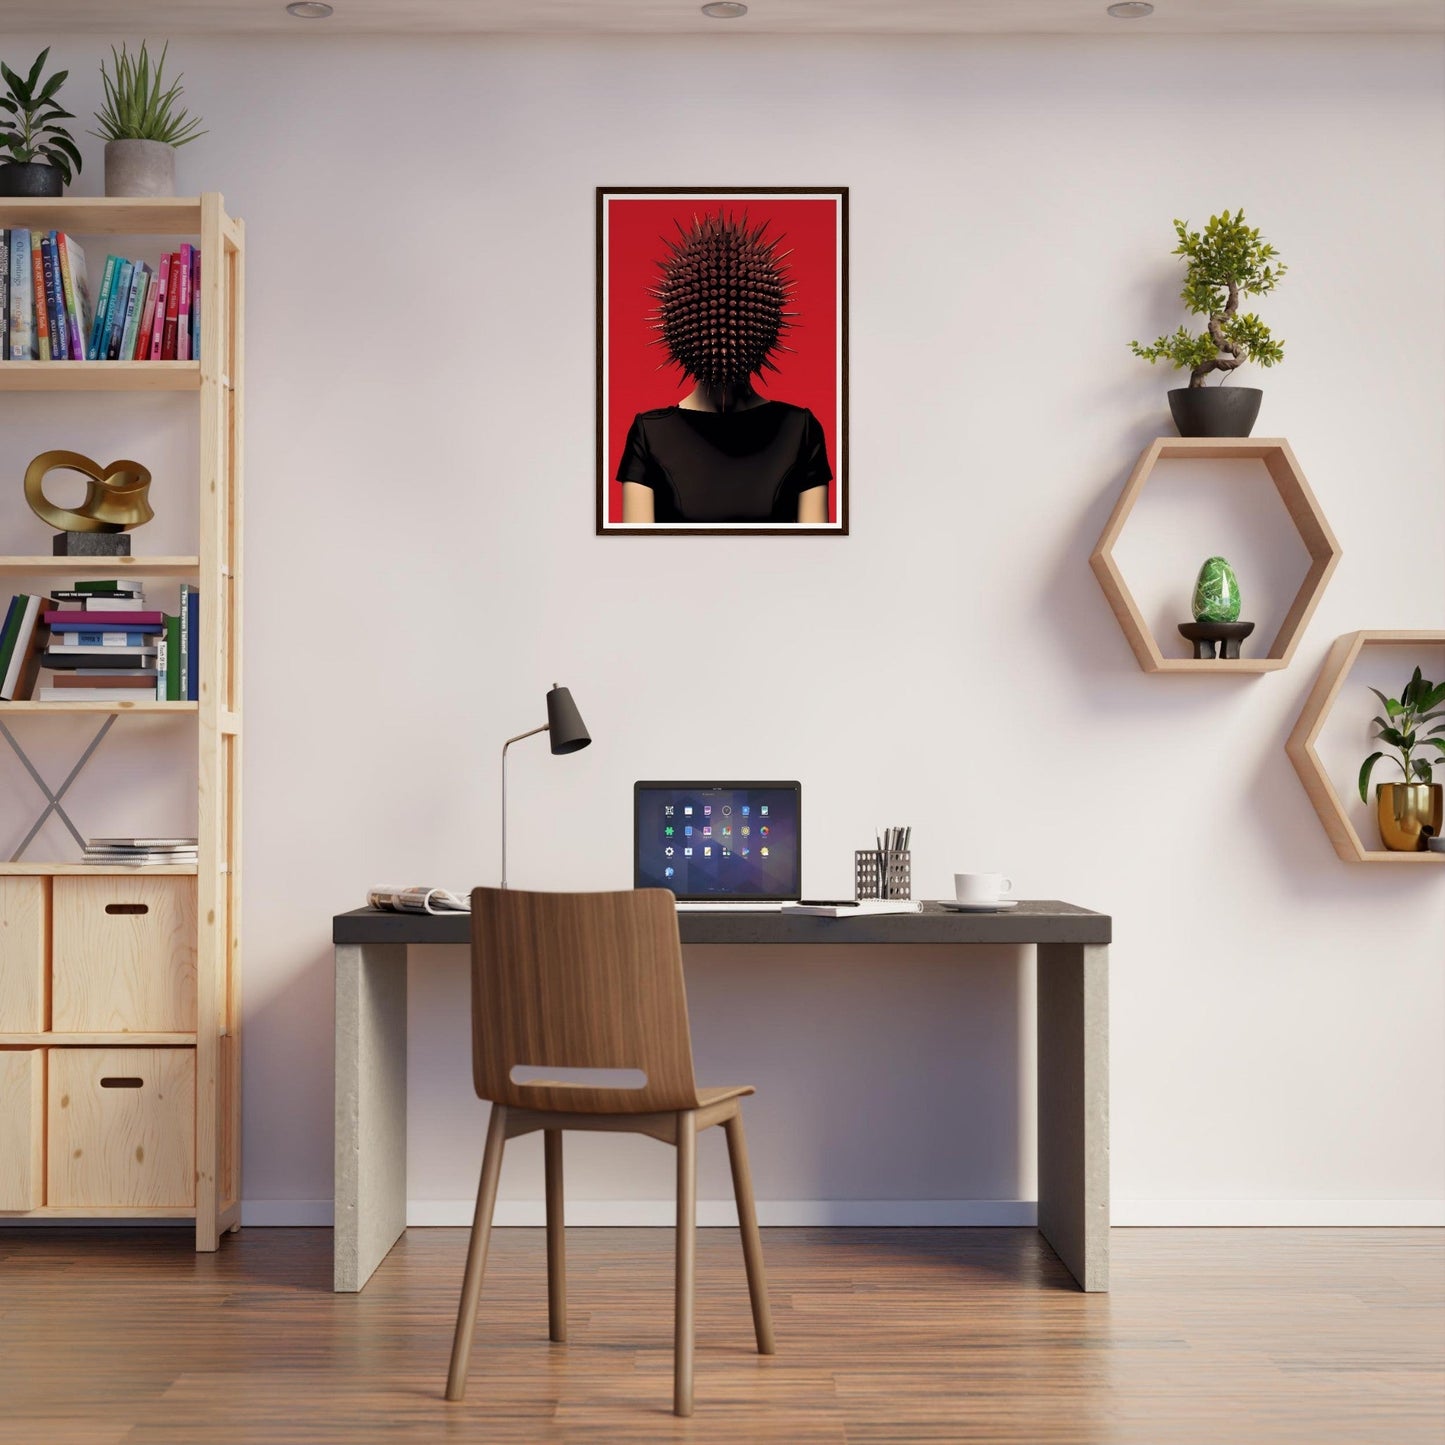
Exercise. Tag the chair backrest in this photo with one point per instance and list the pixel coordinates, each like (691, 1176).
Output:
(580, 981)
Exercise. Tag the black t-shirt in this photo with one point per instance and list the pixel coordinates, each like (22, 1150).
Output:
(728, 466)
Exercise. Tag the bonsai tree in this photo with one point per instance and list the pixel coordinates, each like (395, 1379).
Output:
(1223, 263)
(28, 114)
(1419, 702)
(136, 107)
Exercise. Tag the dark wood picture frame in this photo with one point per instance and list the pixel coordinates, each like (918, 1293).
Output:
(839, 462)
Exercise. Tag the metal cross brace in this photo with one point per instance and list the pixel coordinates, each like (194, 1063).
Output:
(54, 805)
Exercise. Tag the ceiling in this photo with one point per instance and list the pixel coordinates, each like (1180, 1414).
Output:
(682, 17)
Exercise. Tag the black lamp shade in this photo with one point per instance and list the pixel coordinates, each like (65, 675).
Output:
(565, 729)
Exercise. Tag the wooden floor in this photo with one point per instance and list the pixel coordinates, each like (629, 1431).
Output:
(1218, 1336)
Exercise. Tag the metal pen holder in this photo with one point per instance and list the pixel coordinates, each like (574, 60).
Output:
(879, 873)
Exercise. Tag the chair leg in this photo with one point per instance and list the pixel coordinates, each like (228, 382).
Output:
(477, 1253)
(686, 1285)
(556, 1238)
(748, 1228)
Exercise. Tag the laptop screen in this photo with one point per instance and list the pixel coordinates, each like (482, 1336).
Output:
(719, 841)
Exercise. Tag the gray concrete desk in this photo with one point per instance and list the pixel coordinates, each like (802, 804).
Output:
(1073, 1056)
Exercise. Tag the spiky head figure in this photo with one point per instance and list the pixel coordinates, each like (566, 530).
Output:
(722, 299)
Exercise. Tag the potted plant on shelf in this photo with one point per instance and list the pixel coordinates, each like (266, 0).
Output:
(141, 125)
(39, 156)
(1224, 262)
(1409, 812)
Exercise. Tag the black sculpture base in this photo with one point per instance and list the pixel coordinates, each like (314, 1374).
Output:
(91, 544)
(1204, 636)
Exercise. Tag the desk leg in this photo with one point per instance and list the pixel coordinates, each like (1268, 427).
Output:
(370, 1108)
(1073, 994)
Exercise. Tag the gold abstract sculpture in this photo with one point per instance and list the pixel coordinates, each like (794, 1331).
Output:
(115, 496)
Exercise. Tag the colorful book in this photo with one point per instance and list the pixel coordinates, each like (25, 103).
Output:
(174, 652)
(76, 595)
(158, 325)
(196, 304)
(162, 668)
(142, 346)
(193, 651)
(114, 621)
(67, 659)
(183, 307)
(19, 680)
(101, 584)
(37, 290)
(54, 300)
(133, 308)
(22, 305)
(173, 298)
(7, 633)
(95, 349)
(76, 284)
(124, 288)
(4, 295)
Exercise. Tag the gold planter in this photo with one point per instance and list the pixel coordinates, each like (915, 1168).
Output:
(1409, 813)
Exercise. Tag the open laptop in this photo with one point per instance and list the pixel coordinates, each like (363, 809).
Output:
(720, 845)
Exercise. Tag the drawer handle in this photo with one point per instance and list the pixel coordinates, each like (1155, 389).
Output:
(122, 1082)
(127, 908)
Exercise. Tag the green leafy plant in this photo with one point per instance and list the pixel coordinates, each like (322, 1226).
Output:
(1419, 703)
(1224, 262)
(28, 114)
(137, 104)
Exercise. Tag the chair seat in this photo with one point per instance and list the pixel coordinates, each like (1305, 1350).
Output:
(706, 1097)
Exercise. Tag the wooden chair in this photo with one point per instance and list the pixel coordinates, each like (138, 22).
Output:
(594, 981)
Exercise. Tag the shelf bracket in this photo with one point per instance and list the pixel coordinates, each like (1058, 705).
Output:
(53, 803)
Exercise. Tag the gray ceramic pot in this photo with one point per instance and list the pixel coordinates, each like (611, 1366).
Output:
(140, 168)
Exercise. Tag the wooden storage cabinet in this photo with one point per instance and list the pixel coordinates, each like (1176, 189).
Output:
(121, 1128)
(24, 953)
(22, 1129)
(123, 955)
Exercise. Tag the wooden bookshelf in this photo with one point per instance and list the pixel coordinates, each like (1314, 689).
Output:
(40, 899)
(1284, 473)
(100, 375)
(1300, 746)
(80, 566)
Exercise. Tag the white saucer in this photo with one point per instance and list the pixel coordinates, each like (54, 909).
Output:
(955, 907)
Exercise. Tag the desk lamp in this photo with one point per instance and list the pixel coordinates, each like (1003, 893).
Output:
(568, 735)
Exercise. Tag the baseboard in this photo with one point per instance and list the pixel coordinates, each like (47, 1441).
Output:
(1278, 1213)
(896, 1213)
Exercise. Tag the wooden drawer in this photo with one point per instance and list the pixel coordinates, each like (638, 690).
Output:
(123, 955)
(122, 1127)
(22, 1128)
(24, 948)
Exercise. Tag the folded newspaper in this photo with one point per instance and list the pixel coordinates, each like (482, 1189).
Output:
(418, 900)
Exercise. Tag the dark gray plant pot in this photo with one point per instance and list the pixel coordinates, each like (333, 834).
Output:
(30, 178)
(1215, 411)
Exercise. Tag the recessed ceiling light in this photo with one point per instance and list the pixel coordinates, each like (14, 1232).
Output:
(725, 10)
(309, 9)
(1131, 9)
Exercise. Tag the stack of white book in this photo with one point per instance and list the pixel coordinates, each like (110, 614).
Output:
(140, 852)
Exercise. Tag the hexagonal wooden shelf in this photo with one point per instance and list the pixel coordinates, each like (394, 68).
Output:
(1301, 747)
(1304, 511)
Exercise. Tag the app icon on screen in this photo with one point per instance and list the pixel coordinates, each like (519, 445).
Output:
(669, 872)
(763, 851)
(743, 851)
(707, 852)
(727, 853)
(763, 810)
(687, 830)
(763, 831)
(746, 810)
(687, 852)
(687, 810)
(727, 832)
(669, 850)
(727, 808)
(746, 830)
(669, 830)
(707, 810)
(667, 810)
(707, 832)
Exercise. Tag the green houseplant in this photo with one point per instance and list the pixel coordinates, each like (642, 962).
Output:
(1410, 811)
(141, 124)
(1224, 263)
(39, 156)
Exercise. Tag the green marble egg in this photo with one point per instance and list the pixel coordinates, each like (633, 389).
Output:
(1216, 593)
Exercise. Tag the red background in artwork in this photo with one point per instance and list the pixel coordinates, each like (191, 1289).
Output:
(806, 377)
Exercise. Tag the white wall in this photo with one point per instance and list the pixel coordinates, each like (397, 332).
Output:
(422, 566)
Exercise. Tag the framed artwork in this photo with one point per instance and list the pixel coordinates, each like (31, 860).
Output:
(722, 360)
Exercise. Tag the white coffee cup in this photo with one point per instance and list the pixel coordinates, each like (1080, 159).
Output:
(980, 887)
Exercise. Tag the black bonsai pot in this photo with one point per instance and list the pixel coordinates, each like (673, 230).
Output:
(30, 178)
(1215, 411)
